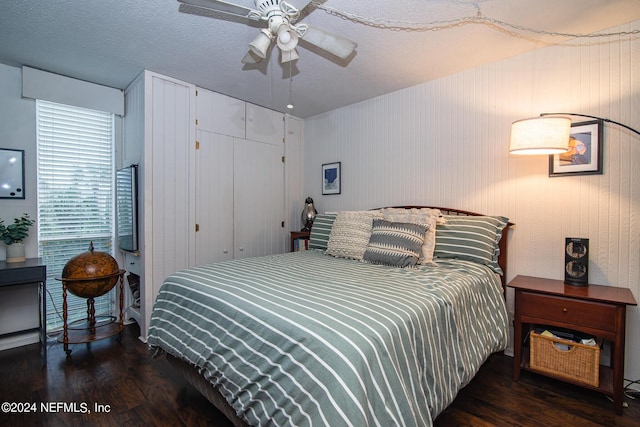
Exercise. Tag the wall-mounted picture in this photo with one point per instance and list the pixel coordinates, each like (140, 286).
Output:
(585, 151)
(331, 178)
(11, 174)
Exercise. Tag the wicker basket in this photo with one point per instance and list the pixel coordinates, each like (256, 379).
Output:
(580, 363)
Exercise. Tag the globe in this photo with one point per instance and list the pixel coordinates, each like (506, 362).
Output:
(90, 274)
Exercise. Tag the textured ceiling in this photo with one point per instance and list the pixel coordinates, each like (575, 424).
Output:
(111, 41)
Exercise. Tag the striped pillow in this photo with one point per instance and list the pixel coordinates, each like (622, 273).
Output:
(319, 236)
(425, 216)
(471, 238)
(397, 244)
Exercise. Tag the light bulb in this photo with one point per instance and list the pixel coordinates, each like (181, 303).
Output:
(290, 106)
(285, 37)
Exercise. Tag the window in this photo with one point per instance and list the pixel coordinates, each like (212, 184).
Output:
(75, 197)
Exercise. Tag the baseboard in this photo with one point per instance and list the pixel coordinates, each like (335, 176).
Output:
(19, 340)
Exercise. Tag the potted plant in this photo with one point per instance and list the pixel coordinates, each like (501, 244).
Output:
(12, 235)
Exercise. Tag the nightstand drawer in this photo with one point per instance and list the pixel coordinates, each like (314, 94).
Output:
(591, 314)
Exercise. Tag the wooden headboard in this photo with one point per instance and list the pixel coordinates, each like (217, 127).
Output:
(502, 257)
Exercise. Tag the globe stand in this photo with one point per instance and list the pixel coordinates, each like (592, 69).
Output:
(91, 329)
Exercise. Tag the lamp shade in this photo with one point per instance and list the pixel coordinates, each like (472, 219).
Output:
(261, 43)
(540, 135)
(288, 55)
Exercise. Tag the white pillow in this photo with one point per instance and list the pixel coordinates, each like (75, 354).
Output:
(350, 233)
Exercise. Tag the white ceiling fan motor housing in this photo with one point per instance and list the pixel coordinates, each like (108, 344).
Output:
(268, 7)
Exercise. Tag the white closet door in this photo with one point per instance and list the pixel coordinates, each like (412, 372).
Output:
(214, 198)
(258, 198)
(264, 125)
(167, 195)
(293, 174)
(220, 113)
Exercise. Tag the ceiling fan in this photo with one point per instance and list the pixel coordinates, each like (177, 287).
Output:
(280, 16)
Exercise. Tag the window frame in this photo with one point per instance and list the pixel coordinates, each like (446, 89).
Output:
(72, 232)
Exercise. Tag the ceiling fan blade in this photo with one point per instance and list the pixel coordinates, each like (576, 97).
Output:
(332, 43)
(298, 4)
(222, 6)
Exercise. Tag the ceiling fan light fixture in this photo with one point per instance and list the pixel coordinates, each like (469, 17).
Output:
(287, 39)
(284, 37)
(288, 56)
(261, 44)
(251, 58)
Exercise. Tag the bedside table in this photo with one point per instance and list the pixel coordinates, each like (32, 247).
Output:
(295, 235)
(594, 309)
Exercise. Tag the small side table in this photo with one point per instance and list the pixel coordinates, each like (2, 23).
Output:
(304, 235)
(30, 271)
(594, 309)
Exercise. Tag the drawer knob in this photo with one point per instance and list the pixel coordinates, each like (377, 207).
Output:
(564, 310)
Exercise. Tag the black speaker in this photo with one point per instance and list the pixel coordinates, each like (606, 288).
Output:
(576, 261)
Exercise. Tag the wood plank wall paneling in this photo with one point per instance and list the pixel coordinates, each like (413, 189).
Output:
(170, 202)
(166, 210)
(133, 152)
(445, 143)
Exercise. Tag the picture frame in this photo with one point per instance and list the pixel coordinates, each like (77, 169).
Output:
(11, 174)
(331, 178)
(585, 151)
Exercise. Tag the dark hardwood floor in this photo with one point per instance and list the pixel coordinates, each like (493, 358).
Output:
(134, 389)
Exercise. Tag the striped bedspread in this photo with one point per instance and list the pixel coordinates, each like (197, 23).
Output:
(303, 339)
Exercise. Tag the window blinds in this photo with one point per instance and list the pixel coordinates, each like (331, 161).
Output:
(75, 197)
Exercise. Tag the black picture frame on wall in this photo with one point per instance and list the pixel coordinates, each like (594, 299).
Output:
(331, 178)
(585, 151)
(11, 174)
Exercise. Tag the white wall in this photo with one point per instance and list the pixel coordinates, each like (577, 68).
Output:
(445, 143)
(18, 131)
(18, 308)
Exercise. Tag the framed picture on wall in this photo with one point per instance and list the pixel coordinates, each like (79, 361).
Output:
(11, 173)
(585, 151)
(331, 178)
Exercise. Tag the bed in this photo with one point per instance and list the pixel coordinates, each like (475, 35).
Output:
(340, 335)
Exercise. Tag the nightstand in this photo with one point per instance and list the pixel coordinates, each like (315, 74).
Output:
(298, 235)
(594, 309)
